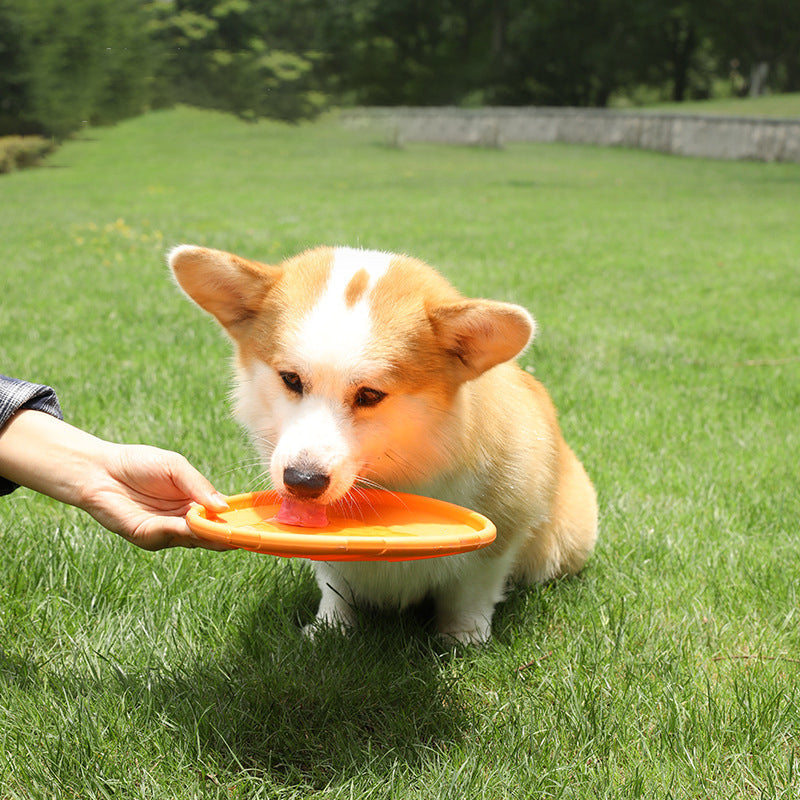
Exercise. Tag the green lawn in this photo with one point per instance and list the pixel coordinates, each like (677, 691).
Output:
(777, 105)
(668, 297)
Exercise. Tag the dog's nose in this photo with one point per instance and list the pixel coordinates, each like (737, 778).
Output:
(305, 482)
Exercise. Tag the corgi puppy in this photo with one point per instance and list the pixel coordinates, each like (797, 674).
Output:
(356, 367)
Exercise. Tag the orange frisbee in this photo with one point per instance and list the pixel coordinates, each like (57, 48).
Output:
(376, 526)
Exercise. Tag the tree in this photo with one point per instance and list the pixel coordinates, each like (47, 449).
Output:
(565, 52)
(78, 61)
(63, 62)
(244, 56)
(12, 87)
(417, 52)
(762, 40)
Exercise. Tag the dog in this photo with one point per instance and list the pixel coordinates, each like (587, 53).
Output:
(357, 367)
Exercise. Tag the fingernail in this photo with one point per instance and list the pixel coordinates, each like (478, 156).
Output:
(220, 502)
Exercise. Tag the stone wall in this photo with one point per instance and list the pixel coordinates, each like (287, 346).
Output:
(759, 139)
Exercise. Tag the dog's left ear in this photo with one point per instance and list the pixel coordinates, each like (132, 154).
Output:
(482, 333)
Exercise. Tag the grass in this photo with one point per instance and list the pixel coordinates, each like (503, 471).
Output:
(776, 105)
(667, 293)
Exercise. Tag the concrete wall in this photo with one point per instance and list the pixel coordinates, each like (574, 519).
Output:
(759, 139)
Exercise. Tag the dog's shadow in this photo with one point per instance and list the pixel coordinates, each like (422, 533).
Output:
(312, 711)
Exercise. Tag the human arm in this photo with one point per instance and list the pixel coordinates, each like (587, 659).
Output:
(140, 492)
(16, 394)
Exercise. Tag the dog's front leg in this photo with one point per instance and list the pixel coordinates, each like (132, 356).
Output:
(337, 606)
(464, 607)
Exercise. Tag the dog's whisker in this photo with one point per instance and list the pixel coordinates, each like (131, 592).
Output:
(358, 491)
(362, 480)
(408, 471)
(368, 483)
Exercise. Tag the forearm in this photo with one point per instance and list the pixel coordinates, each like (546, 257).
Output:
(137, 491)
(49, 456)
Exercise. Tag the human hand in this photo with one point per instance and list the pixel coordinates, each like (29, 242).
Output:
(140, 492)
(143, 494)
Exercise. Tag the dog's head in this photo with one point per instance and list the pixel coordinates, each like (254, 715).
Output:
(350, 363)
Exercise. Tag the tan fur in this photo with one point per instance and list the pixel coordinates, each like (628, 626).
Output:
(460, 421)
(356, 288)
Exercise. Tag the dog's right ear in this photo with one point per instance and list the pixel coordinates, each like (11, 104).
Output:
(227, 286)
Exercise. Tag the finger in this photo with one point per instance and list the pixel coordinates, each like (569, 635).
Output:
(159, 533)
(196, 486)
(188, 538)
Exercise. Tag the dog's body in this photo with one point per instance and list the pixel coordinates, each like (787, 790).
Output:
(361, 367)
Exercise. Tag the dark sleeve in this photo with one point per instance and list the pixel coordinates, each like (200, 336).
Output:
(16, 395)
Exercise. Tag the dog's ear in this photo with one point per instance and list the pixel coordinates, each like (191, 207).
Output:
(227, 286)
(482, 333)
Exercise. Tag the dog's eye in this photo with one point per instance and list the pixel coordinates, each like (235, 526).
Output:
(366, 398)
(292, 382)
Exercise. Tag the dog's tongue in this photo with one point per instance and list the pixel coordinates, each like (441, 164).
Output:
(302, 513)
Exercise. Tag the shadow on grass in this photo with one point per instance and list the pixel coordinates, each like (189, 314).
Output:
(387, 697)
(311, 712)
(268, 706)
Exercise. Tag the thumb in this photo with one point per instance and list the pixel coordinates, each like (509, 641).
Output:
(196, 486)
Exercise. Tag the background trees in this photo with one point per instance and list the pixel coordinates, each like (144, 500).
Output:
(245, 56)
(66, 62)
(759, 40)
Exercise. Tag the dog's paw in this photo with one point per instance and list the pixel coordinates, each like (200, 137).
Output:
(476, 631)
(317, 627)
(342, 624)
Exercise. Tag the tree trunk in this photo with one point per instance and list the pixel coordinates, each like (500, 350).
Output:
(684, 44)
(758, 79)
(499, 23)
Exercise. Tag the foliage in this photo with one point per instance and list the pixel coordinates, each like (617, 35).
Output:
(550, 52)
(406, 51)
(78, 62)
(749, 36)
(66, 64)
(17, 152)
(12, 94)
(238, 55)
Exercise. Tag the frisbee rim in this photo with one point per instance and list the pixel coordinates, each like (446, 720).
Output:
(470, 530)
